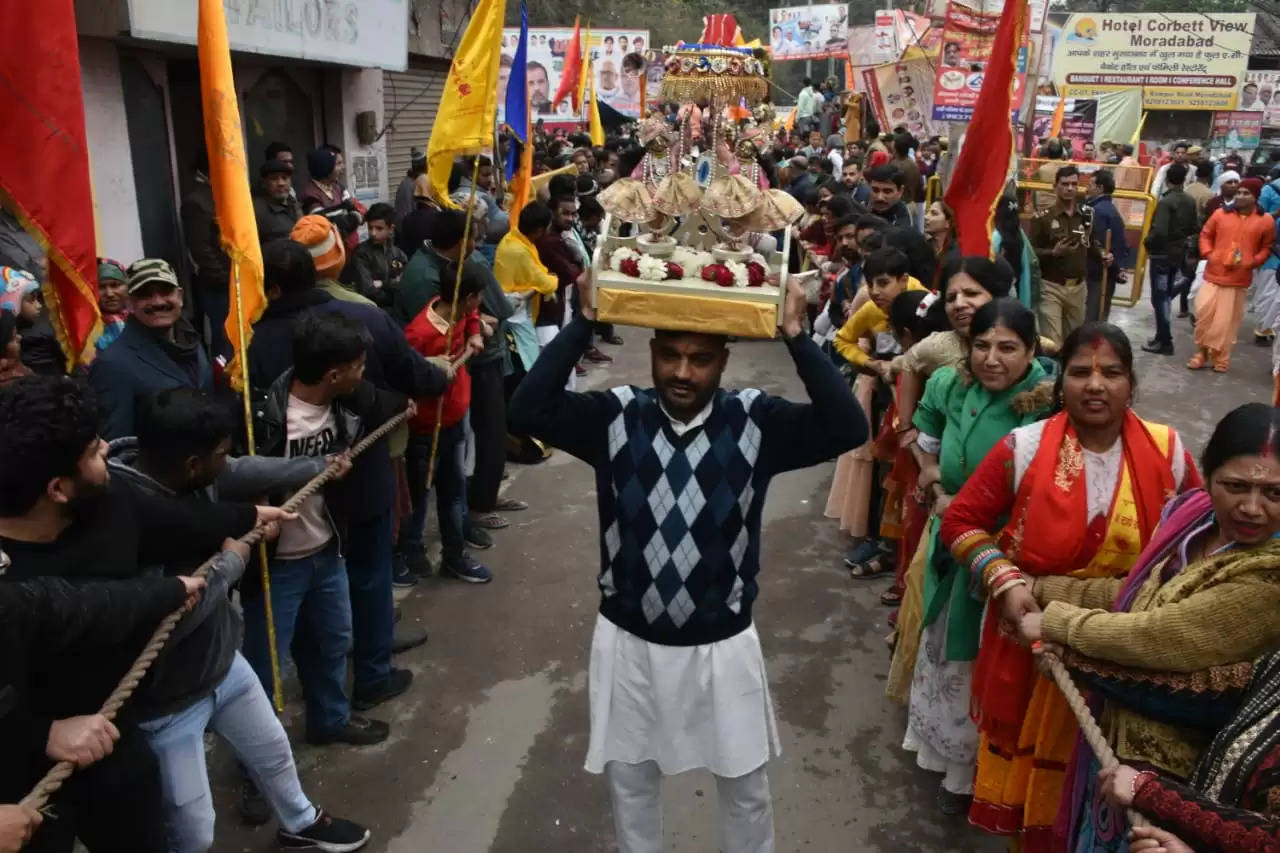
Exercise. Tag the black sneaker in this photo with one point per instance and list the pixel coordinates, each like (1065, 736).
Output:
(397, 682)
(402, 577)
(1158, 348)
(330, 834)
(254, 808)
(407, 637)
(359, 731)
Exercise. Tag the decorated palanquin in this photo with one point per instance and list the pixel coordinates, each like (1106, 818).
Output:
(686, 239)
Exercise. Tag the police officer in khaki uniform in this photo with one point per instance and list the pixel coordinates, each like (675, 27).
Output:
(1062, 238)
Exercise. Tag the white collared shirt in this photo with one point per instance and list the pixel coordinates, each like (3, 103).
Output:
(679, 427)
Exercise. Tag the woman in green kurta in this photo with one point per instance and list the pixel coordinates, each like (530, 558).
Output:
(964, 411)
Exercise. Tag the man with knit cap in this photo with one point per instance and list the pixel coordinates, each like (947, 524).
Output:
(157, 349)
(677, 677)
(322, 239)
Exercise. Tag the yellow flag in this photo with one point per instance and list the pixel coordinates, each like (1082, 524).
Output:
(229, 179)
(1137, 131)
(522, 181)
(585, 77)
(469, 105)
(594, 126)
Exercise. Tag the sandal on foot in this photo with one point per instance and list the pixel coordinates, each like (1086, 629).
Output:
(510, 505)
(891, 597)
(1196, 362)
(876, 566)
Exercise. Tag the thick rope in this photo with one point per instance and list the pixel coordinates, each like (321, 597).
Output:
(40, 795)
(1088, 725)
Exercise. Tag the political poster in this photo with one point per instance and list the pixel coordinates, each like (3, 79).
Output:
(617, 61)
(900, 94)
(1260, 91)
(1235, 130)
(1037, 10)
(809, 32)
(1079, 121)
(967, 35)
(1180, 60)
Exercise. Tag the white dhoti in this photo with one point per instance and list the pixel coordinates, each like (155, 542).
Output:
(660, 710)
(1264, 299)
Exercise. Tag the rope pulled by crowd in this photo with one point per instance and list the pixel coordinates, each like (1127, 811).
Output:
(1093, 735)
(53, 780)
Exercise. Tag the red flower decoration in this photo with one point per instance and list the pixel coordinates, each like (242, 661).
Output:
(724, 278)
(710, 271)
(674, 271)
(755, 274)
(631, 267)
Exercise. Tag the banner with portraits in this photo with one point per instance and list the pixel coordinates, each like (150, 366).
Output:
(617, 62)
(1260, 92)
(967, 36)
(809, 32)
(900, 94)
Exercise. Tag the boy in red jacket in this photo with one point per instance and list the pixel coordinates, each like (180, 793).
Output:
(426, 334)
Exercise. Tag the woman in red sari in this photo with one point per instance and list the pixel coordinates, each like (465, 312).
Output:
(1079, 495)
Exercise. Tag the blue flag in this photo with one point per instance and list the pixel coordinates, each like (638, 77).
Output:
(517, 106)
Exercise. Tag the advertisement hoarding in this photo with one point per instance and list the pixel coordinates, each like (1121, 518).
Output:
(616, 64)
(967, 36)
(1235, 130)
(1079, 121)
(809, 32)
(1181, 60)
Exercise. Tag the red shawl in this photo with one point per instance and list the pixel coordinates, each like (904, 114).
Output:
(1049, 505)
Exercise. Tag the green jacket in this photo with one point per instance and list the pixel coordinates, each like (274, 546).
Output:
(969, 420)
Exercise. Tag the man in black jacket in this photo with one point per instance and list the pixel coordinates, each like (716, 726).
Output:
(1174, 221)
(290, 280)
(61, 514)
(42, 620)
(204, 248)
(201, 681)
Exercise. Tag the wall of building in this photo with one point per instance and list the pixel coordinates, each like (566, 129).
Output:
(114, 196)
(360, 90)
(434, 24)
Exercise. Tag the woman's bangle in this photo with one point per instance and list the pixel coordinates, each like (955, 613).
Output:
(1003, 575)
(1008, 585)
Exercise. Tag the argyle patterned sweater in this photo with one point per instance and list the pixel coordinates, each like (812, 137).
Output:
(680, 514)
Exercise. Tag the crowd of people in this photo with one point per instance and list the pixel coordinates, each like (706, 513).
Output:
(990, 467)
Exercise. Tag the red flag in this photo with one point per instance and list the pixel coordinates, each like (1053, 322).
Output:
(44, 162)
(720, 29)
(571, 79)
(981, 170)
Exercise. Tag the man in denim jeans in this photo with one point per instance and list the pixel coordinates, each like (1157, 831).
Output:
(201, 681)
(301, 416)
(1174, 221)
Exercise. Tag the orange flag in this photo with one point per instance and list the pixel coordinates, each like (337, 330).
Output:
(229, 179)
(571, 80)
(1055, 127)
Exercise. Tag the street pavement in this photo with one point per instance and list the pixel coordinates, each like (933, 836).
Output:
(487, 747)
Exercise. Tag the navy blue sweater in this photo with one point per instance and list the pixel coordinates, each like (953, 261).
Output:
(680, 514)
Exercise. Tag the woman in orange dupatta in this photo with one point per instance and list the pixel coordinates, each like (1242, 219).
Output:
(1079, 495)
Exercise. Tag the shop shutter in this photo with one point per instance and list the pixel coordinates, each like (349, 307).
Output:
(413, 97)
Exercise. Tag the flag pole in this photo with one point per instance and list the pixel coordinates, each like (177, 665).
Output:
(277, 691)
(453, 315)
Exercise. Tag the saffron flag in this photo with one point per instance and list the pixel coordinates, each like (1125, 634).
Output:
(44, 163)
(982, 169)
(587, 94)
(722, 30)
(571, 80)
(229, 180)
(1059, 113)
(517, 104)
(469, 106)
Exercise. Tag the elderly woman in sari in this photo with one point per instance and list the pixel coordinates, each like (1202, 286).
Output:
(964, 412)
(1204, 593)
(1079, 494)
